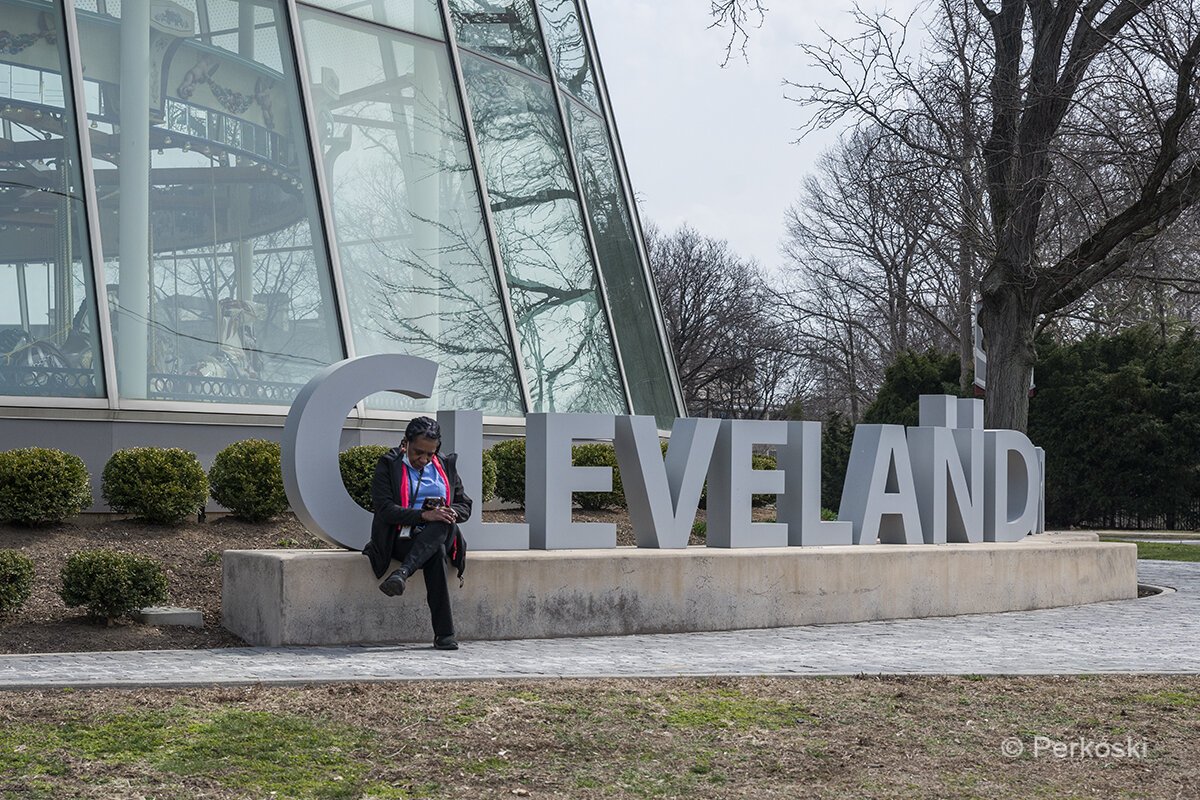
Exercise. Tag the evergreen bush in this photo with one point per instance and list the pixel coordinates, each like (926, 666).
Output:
(911, 375)
(489, 477)
(112, 584)
(837, 436)
(39, 486)
(1119, 418)
(510, 470)
(599, 455)
(162, 485)
(357, 465)
(246, 478)
(16, 580)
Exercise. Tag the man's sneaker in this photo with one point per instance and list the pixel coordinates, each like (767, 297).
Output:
(394, 584)
(445, 643)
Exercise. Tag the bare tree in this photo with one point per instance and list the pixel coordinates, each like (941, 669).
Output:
(1089, 147)
(733, 352)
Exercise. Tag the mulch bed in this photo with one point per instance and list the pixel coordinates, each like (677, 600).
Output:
(190, 554)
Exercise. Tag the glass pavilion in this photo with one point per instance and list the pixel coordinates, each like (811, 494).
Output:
(203, 202)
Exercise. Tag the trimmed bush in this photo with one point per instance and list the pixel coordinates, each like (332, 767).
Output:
(599, 455)
(16, 580)
(39, 485)
(489, 477)
(246, 478)
(162, 485)
(111, 584)
(357, 465)
(763, 461)
(510, 470)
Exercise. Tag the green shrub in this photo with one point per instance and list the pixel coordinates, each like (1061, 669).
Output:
(599, 455)
(763, 461)
(159, 484)
(828, 516)
(489, 477)
(16, 580)
(39, 485)
(911, 375)
(357, 465)
(111, 584)
(246, 478)
(510, 470)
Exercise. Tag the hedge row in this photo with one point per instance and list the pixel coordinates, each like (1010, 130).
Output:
(107, 583)
(165, 485)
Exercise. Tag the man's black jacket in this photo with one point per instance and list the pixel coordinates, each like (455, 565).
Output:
(385, 495)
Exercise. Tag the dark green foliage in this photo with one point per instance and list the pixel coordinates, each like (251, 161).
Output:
(1119, 417)
(762, 461)
(111, 584)
(837, 436)
(357, 465)
(911, 375)
(489, 477)
(16, 580)
(599, 455)
(39, 486)
(247, 479)
(158, 484)
(510, 470)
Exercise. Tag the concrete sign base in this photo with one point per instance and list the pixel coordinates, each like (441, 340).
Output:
(329, 597)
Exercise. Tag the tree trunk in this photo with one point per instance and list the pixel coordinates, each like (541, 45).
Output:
(1008, 323)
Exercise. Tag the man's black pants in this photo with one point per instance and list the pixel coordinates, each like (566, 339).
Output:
(428, 553)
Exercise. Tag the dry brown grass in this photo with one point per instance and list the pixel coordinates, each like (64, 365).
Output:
(737, 738)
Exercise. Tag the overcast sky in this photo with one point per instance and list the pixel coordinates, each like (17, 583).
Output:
(708, 145)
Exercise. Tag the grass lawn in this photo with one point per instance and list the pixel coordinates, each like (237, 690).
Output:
(1162, 551)
(735, 738)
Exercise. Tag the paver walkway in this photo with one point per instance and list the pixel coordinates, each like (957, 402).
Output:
(1152, 635)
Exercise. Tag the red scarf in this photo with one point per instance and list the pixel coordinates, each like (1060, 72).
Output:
(404, 490)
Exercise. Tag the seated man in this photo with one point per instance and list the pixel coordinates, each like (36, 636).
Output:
(418, 500)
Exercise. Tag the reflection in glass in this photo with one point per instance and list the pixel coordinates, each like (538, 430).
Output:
(568, 351)
(506, 30)
(624, 279)
(415, 259)
(417, 16)
(568, 51)
(219, 287)
(48, 331)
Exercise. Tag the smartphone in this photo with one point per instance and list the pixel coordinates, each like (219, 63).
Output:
(433, 502)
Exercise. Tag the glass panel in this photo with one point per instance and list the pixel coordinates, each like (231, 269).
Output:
(568, 51)
(624, 279)
(49, 344)
(417, 268)
(218, 281)
(505, 30)
(567, 347)
(418, 16)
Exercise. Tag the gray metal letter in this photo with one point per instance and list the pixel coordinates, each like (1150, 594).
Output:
(462, 433)
(1013, 486)
(550, 479)
(313, 430)
(800, 504)
(879, 495)
(733, 482)
(663, 497)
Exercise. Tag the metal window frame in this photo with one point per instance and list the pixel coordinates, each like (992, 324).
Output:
(605, 102)
(299, 63)
(485, 202)
(91, 210)
(584, 210)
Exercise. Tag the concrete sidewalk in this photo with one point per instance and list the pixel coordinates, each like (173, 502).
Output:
(1158, 634)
